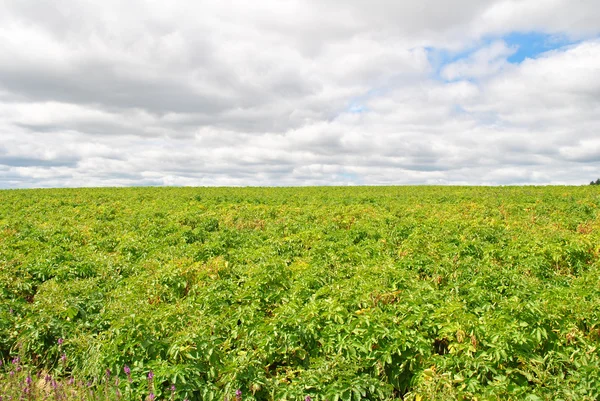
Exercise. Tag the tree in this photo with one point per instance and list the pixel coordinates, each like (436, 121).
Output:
(597, 182)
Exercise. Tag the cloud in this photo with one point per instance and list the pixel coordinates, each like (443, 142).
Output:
(484, 62)
(557, 91)
(296, 93)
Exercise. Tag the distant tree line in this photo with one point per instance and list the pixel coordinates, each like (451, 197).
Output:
(597, 182)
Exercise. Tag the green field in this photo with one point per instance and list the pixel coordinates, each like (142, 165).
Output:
(413, 293)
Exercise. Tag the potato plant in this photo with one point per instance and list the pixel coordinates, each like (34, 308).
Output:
(379, 293)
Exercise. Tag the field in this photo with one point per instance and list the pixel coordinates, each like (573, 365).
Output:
(412, 293)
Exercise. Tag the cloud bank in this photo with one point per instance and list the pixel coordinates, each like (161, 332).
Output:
(299, 92)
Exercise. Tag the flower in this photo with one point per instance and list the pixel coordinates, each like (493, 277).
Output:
(107, 374)
(172, 387)
(63, 358)
(238, 394)
(151, 396)
(308, 398)
(127, 372)
(28, 380)
(60, 341)
(150, 375)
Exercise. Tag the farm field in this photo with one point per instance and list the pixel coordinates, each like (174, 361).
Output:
(378, 293)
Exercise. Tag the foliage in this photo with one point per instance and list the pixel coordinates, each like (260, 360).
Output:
(333, 293)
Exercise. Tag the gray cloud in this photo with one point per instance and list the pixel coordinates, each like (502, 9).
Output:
(295, 93)
(20, 161)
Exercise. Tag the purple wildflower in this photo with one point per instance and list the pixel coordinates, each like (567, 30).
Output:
(71, 380)
(117, 381)
(63, 358)
(150, 375)
(308, 398)
(127, 372)
(151, 396)
(238, 394)
(27, 388)
(16, 360)
(172, 387)
(60, 341)
(107, 374)
(47, 378)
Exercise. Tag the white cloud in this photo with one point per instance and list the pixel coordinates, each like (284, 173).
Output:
(555, 92)
(294, 92)
(575, 19)
(484, 62)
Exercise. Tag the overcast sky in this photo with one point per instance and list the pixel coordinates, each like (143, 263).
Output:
(305, 92)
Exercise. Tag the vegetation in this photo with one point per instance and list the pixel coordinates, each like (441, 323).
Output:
(285, 293)
(597, 182)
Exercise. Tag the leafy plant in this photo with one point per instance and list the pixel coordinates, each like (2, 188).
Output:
(285, 293)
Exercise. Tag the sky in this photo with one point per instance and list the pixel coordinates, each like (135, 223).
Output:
(299, 92)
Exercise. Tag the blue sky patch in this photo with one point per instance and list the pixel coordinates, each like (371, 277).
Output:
(349, 176)
(357, 105)
(357, 108)
(532, 44)
(527, 45)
